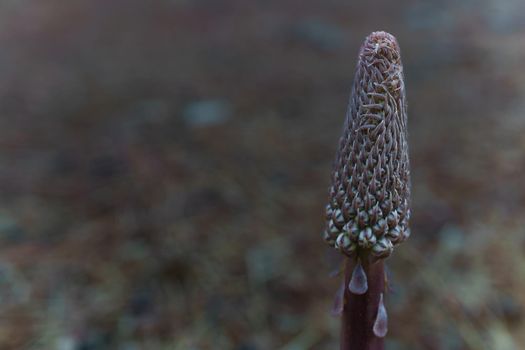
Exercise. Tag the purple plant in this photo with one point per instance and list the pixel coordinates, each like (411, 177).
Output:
(369, 206)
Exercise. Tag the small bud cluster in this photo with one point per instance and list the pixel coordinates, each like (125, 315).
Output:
(370, 192)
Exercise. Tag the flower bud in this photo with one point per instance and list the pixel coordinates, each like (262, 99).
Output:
(370, 192)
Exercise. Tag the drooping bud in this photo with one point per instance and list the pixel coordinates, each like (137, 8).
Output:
(369, 202)
(381, 322)
(359, 282)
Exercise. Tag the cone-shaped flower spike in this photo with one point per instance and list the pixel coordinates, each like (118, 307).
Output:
(369, 206)
(368, 210)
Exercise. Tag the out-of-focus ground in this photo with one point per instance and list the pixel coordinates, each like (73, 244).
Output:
(164, 167)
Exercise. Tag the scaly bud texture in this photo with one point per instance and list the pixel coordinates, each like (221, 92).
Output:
(368, 211)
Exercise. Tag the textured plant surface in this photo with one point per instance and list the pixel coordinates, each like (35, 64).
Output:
(369, 210)
(369, 198)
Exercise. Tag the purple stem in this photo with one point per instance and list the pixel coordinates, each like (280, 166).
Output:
(360, 311)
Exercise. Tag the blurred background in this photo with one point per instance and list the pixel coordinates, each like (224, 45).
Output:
(164, 166)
